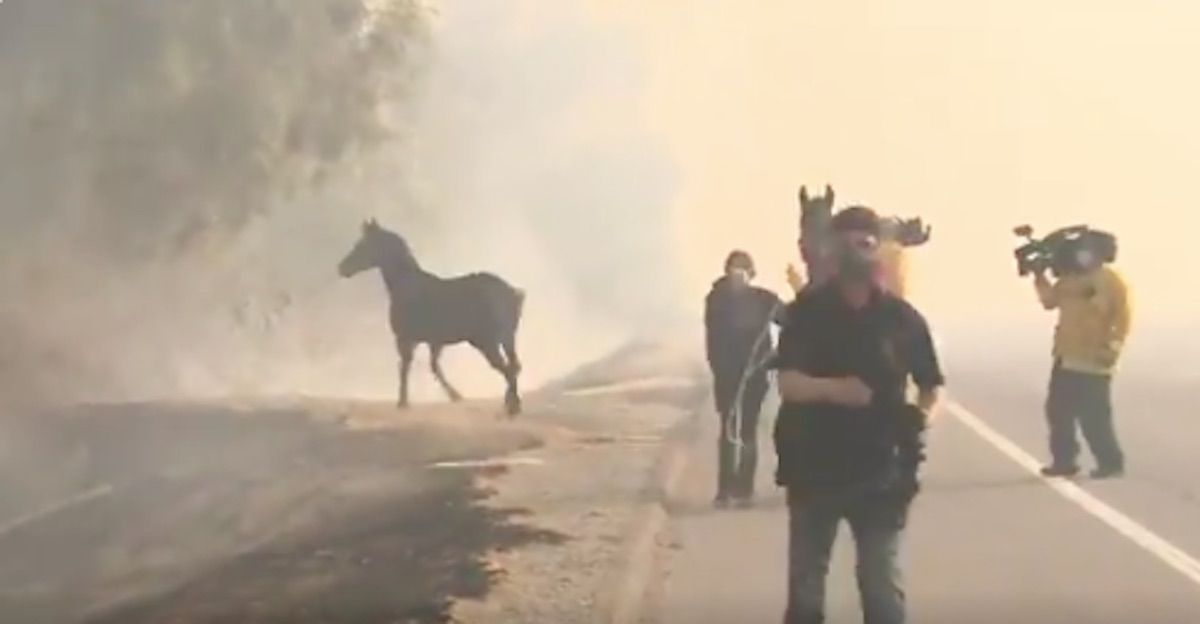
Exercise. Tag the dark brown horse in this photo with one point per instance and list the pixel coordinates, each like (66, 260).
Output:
(480, 309)
(816, 213)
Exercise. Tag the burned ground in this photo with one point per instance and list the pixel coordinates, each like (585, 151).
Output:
(209, 515)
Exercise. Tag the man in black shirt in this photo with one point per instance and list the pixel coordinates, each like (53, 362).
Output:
(737, 317)
(847, 438)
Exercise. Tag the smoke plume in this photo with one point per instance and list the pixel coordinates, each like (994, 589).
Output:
(179, 179)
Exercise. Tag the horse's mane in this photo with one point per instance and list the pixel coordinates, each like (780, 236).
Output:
(398, 249)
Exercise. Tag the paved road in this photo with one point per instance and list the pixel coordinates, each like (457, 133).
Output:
(989, 541)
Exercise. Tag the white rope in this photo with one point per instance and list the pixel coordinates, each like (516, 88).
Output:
(733, 425)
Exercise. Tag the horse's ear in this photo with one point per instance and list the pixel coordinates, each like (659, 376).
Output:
(829, 194)
(803, 195)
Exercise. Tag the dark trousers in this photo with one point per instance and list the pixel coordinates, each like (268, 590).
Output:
(736, 468)
(1083, 401)
(877, 524)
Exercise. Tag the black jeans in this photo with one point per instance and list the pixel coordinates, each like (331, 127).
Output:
(735, 474)
(1083, 401)
(877, 523)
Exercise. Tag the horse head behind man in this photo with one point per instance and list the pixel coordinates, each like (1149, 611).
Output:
(816, 215)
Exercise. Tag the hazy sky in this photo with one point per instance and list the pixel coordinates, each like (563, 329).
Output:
(587, 150)
(977, 116)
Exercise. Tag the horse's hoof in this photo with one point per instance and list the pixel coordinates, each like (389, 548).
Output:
(402, 405)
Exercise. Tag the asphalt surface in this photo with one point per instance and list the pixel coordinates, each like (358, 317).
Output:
(989, 542)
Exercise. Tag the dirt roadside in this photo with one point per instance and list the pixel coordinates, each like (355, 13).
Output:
(593, 484)
(326, 511)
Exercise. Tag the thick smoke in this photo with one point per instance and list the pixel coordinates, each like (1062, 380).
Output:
(535, 150)
(143, 138)
(178, 180)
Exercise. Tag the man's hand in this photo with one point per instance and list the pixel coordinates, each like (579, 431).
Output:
(849, 392)
(797, 387)
(1045, 290)
(795, 280)
(927, 401)
(1110, 354)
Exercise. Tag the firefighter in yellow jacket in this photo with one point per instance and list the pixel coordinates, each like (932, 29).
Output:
(1093, 307)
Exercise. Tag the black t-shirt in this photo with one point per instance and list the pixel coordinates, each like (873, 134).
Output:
(735, 320)
(883, 343)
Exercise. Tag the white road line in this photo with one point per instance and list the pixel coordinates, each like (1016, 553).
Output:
(644, 383)
(56, 507)
(1148, 540)
(495, 462)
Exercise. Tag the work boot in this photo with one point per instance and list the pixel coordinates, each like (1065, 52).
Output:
(1060, 471)
(721, 502)
(1108, 472)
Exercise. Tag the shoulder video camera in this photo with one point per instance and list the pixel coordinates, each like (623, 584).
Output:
(1056, 251)
(908, 232)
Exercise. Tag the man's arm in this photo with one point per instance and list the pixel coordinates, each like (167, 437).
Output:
(1047, 292)
(1120, 307)
(801, 388)
(1116, 306)
(793, 359)
(926, 367)
(798, 385)
(928, 399)
(710, 332)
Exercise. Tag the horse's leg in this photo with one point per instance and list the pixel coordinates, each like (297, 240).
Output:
(509, 345)
(492, 352)
(435, 364)
(513, 396)
(405, 350)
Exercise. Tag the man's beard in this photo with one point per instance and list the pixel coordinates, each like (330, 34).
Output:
(855, 269)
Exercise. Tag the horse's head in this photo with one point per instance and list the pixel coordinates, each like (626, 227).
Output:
(816, 215)
(817, 210)
(376, 248)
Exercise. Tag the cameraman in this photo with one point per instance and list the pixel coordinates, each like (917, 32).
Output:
(1093, 321)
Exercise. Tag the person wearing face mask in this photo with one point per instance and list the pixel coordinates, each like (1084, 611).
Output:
(847, 438)
(737, 317)
(1093, 307)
